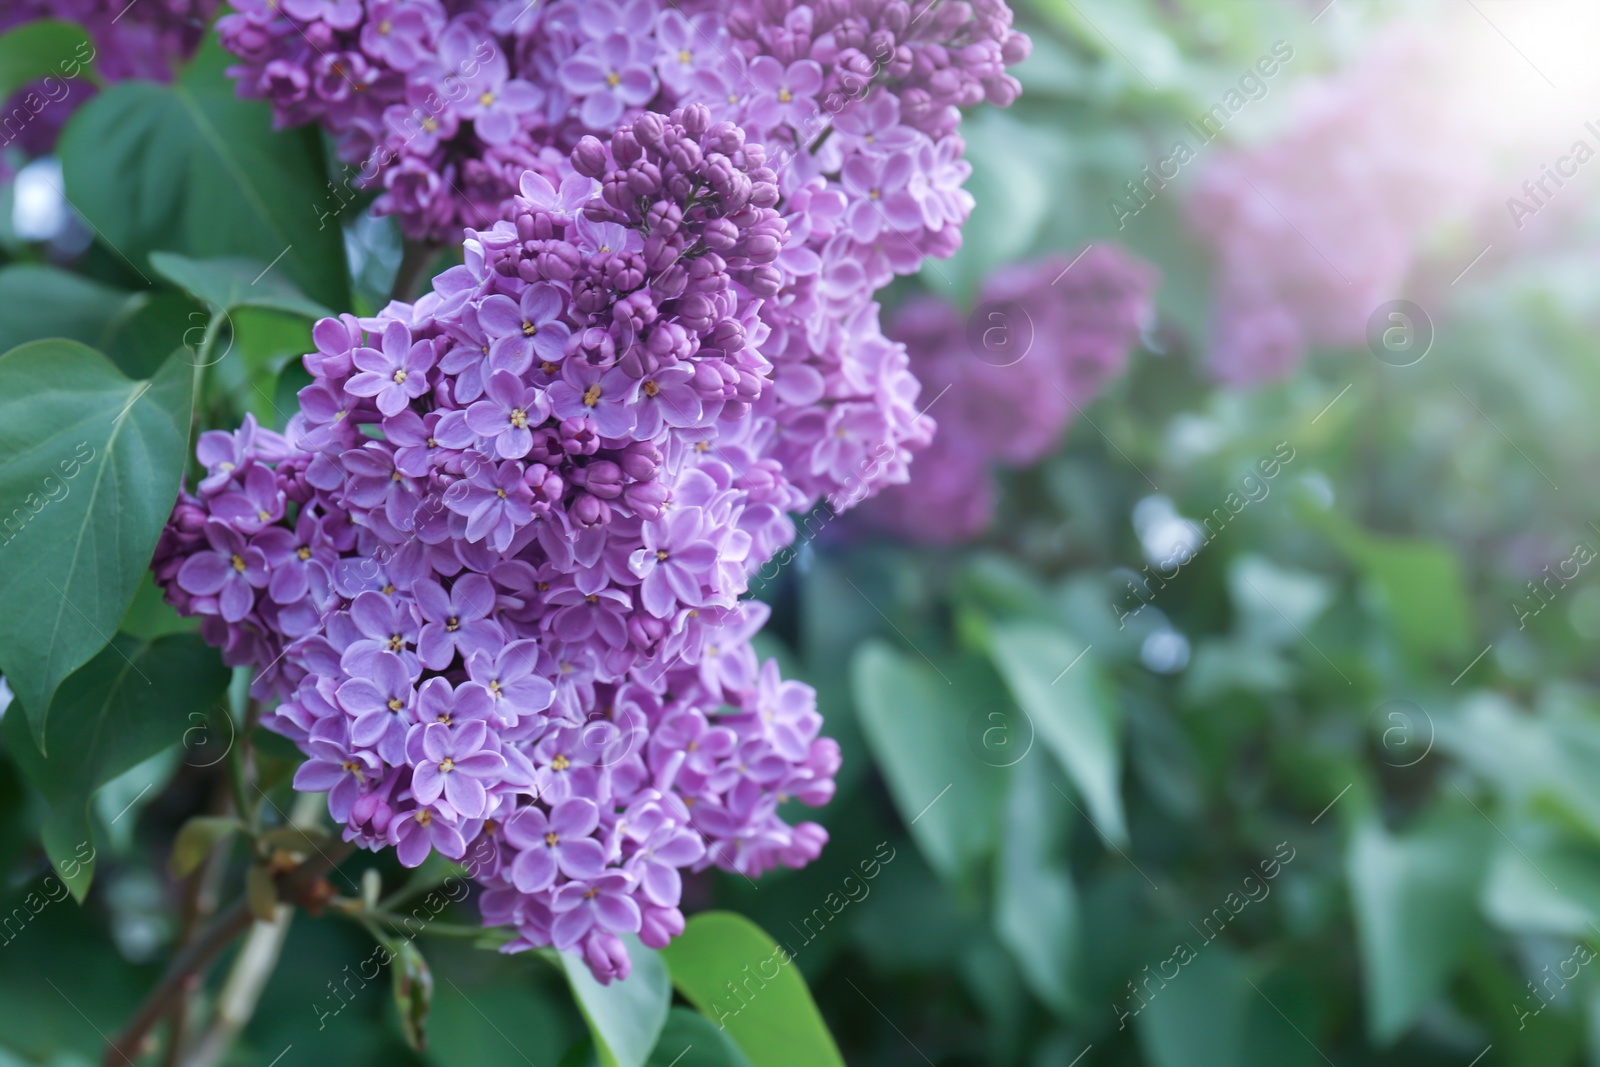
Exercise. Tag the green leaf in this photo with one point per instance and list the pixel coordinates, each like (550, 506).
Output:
(916, 724)
(40, 49)
(690, 1040)
(153, 326)
(133, 700)
(42, 301)
(1211, 1012)
(1420, 584)
(626, 1016)
(1415, 902)
(231, 282)
(90, 463)
(772, 1018)
(191, 168)
(1036, 904)
(195, 840)
(1195, 1018)
(1058, 684)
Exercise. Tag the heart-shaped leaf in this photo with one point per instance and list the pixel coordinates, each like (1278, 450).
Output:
(770, 1014)
(90, 463)
(133, 700)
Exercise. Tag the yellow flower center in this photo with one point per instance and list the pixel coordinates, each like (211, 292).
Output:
(661, 554)
(494, 687)
(385, 26)
(447, 765)
(399, 376)
(560, 763)
(519, 418)
(486, 99)
(430, 124)
(785, 96)
(551, 838)
(501, 493)
(238, 563)
(529, 329)
(684, 55)
(303, 552)
(396, 704)
(452, 624)
(613, 79)
(424, 817)
(872, 194)
(396, 642)
(591, 397)
(651, 388)
(547, 367)
(355, 768)
(388, 590)
(264, 516)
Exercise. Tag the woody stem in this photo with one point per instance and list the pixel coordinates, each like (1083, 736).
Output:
(190, 965)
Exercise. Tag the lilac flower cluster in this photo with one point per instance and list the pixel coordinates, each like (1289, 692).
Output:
(1045, 338)
(446, 106)
(861, 99)
(1316, 228)
(143, 41)
(492, 567)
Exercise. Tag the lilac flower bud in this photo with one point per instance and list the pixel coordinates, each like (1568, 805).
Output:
(763, 281)
(659, 926)
(648, 129)
(695, 119)
(670, 283)
(589, 510)
(640, 461)
(601, 477)
(722, 139)
(589, 157)
(648, 499)
(625, 147)
(720, 235)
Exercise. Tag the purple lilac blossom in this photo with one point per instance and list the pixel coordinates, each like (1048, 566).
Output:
(474, 646)
(1315, 228)
(856, 101)
(1045, 338)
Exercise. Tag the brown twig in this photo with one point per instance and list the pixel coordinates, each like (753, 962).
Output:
(191, 963)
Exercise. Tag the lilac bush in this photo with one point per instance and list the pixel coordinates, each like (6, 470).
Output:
(1044, 339)
(1314, 229)
(493, 569)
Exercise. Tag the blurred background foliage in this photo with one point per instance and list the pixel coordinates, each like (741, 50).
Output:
(1353, 685)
